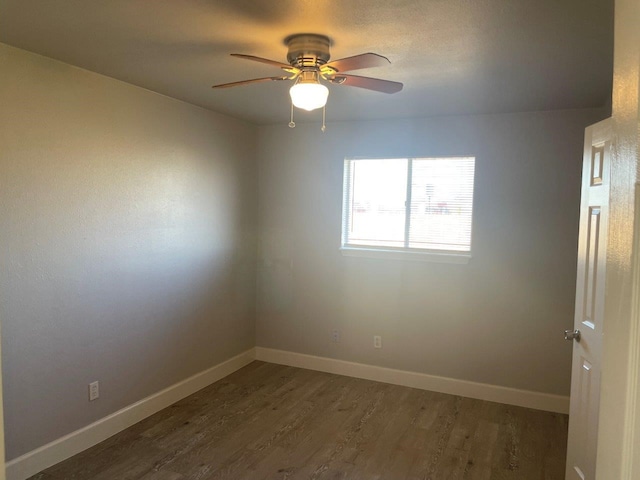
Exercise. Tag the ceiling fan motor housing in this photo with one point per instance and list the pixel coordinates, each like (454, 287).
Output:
(308, 50)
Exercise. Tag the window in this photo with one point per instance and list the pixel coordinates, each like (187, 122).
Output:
(416, 206)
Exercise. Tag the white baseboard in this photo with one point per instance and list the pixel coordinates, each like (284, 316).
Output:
(481, 391)
(37, 460)
(44, 457)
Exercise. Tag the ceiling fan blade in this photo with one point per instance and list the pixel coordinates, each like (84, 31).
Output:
(365, 60)
(284, 66)
(254, 80)
(377, 84)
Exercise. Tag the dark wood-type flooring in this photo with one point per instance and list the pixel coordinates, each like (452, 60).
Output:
(269, 421)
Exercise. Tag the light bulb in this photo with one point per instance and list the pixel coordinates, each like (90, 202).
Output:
(309, 96)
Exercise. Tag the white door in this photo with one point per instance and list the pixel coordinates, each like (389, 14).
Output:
(587, 336)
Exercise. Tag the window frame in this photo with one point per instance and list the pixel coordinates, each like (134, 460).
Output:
(402, 253)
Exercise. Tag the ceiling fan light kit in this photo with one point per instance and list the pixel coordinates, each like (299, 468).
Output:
(308, 56)
(308, 93)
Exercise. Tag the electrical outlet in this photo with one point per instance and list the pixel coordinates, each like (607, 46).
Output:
(335, 336)
(94, 391)
(377, 341)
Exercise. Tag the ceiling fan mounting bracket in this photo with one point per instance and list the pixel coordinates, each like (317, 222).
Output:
(308, 50)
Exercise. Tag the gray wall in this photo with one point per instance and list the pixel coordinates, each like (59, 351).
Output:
(126, 244)
(497, 320)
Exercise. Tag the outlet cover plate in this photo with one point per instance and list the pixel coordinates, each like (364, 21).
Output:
(94, 391)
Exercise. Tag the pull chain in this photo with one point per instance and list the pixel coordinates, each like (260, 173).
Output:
(292, 124)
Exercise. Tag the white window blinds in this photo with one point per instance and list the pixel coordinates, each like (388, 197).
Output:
(415, 204)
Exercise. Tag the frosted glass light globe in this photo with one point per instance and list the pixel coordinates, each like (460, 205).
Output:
(309, 96)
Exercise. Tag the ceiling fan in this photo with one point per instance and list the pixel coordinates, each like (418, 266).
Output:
(308, 56)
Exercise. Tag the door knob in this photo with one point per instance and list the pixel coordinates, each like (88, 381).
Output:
(572, 335)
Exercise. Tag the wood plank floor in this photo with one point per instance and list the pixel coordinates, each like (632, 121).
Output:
(273, 422)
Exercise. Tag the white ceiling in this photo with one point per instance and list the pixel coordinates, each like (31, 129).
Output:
(453, 56)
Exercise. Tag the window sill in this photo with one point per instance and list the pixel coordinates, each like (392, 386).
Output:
(445, 257)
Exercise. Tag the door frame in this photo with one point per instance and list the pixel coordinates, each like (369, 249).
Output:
(619, 428)
(631, 439)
